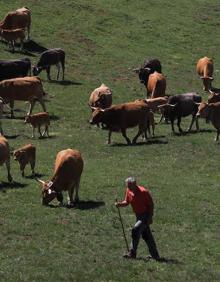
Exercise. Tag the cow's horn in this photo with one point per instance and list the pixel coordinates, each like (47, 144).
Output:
(148, 69)
(198, 104)
(136, 70)
(161, 106)
(93, 108)
(173, 105)
(41, 181)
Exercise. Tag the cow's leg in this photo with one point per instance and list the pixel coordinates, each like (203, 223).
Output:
(33, 132)
(46, 131)
(197, 123)
(39, 131)
(32, 103)
(77, 190)
(109, 137)
(123, 132)
(1, 131)
(21, 45)
(32, 163)
(58, 70)
(192, 122)
(48, 72)
(12, 108)
(22, 167)
(70, 196)
(7, 163)
(63, 66)
(140, 131)
(172, 125)
(41, 101)
(60, 198)
(217, 136)
(178, 124)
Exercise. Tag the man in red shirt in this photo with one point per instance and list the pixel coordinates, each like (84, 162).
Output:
(143, 206)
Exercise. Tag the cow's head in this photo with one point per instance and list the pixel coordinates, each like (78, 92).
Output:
(207, 80)
(36, 70)
(166, 110)
(143, 74)
(48, 194)
(96, 115)
(203, 110)
(18, 155)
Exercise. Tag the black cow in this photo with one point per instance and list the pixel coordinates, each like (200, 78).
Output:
(14, 68)
(149, 66)
(48, 58)
(181, 105)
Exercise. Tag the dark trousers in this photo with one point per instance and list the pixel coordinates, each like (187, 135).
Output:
(141, 228)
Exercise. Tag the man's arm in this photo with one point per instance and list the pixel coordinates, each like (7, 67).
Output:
(121, 204)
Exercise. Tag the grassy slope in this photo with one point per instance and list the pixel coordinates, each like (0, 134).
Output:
(102, 41)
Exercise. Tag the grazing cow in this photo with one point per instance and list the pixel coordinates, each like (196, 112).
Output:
(66, 177)
(48, 58)
(101, 97)
(181, 105)
(12, 35)
(5, 155)
(21, 18)
(25, 155)
(37, 120)
(122, 116)
(204, 68)
(211, 112)
(14, 68)
(156, 85)
(24, 89)
(149, 67)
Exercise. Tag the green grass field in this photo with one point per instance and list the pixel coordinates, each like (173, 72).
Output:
(103, 41)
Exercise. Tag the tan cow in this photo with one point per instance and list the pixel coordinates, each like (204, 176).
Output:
(211, 112)
(22, 89)
(204, 68)
(25, 155)
(11, 36)
(101, 97)
(156, 85)
(37, 120)
(66, 177)
(21, 18)
(5, 155)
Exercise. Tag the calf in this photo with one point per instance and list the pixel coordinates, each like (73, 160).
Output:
(48, 58)
(66, 177)
(179, 106)
(5, 155)
(25, 155)
(122, 116)
(211, 112)
(204, 68)
(37, 120)
(12, 35)
(14, 68)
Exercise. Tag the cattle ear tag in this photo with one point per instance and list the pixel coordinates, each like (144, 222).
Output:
(49, 184)
(49, 191)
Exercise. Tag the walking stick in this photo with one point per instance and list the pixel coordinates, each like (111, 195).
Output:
(120, 218)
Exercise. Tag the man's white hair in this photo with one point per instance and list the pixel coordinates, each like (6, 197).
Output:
(130, 179)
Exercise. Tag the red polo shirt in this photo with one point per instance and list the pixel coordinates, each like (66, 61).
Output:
(141, 201)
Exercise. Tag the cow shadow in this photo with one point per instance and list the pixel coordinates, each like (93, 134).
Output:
(11, 136)
(33, 46)
(81, 205)
(149, 141)
(64, 82)
(160, 260)
(54, 117)
(11, 185)
(36, 175)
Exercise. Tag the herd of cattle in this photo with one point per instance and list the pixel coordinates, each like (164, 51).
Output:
(16, 83)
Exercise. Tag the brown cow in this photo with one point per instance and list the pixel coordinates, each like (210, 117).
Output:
(204, 68)
(66, 177)
(5, 155)
(122, 116)
(21, 18)
(24, 89)
(156, 85)
(37, 120)
(12, 35)
(101, 97)
(25, 155)
(211, 112)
